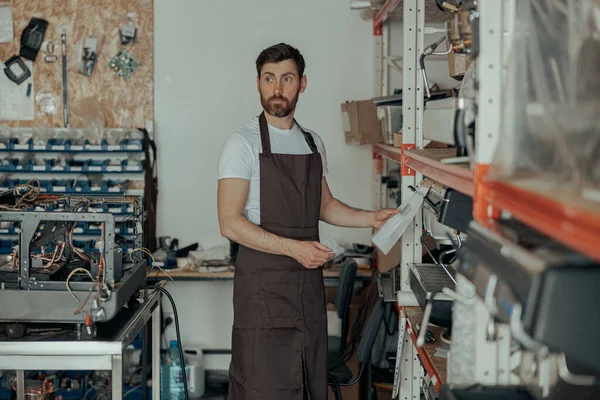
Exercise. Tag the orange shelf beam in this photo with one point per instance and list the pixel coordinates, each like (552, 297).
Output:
(568, 220)
(428, 162)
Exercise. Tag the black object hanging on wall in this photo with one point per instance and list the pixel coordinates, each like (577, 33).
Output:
(150, 192)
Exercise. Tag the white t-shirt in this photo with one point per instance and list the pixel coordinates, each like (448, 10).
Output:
(239, 157)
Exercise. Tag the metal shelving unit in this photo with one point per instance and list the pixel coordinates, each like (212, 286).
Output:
(413, 361)
(563, 215)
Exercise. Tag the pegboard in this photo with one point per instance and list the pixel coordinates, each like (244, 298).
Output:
(103, 99)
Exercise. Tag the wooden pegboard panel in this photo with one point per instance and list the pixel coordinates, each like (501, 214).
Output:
(104, 98)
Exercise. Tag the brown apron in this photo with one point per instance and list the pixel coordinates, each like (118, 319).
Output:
(279, 343)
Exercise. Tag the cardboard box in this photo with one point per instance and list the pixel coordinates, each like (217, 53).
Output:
(386, 263)
(360, 122)
(431, 145)
(435, 145)
(398, 140)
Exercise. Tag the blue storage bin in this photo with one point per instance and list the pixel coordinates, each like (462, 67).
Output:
(98, 186)
(76, 165)
(57, 145)
(132, 165)
(97, 207)
(77, 145)
(88, 146)
(5, 144)
(95, 166)
(114, 166)
(128, 228)
(115, 147)
(17, 145)
(113, 186)
(7, 184)
(117, 209)
(56, 165)
(132, 145)
(45, 186)
(36, 166)
(14, 228)
(94, 228)
(60, 186)
(81, 186)
(9, 165)
(81, 228)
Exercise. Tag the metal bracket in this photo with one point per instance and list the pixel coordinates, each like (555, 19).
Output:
(385, 284)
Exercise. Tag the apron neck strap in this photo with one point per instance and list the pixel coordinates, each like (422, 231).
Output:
(264, 133)
(309, 138)
(266, 139)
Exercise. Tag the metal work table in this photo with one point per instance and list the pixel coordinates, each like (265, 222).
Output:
(67, 353)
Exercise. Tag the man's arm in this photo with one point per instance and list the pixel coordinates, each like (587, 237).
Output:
(231, 199)
(335, 212)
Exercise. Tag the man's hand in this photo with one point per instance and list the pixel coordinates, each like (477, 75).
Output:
(380, 217)
(310, 254)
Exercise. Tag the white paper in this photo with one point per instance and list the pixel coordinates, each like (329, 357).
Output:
(15, 105)
(334, 246)
(6, 24)
(387, 236)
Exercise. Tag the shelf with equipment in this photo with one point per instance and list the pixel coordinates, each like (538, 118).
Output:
(430, 163)
(75, 162)
(557, 212)
(433, 356)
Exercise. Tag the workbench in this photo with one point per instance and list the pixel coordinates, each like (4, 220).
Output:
(65, 352)
(182, 274)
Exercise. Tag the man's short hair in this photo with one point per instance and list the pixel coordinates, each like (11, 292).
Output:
(278, 53)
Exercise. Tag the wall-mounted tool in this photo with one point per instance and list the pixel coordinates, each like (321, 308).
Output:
(50, 57)
(124, 64)
(128, 34)
(89, 56)
(16, 70)
(32, 38)
(63, 43)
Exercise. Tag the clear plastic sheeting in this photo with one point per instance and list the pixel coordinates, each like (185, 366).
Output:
(551, 107)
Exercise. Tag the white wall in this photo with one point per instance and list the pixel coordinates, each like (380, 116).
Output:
(205, 90)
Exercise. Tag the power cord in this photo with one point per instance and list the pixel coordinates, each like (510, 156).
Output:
(182, 359)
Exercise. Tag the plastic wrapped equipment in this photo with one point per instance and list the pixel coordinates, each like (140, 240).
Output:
(550, 139)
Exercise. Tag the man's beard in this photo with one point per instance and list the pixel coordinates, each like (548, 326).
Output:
(282, 109)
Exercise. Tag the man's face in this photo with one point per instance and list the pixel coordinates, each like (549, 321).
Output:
(279, 86)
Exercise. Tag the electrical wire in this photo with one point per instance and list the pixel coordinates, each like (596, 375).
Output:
(443, 336)
(127, 393)
(94, 388)
(71, 275)
(182, 359)
(149, 253)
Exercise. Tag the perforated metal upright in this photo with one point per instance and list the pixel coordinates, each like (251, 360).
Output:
(408, 384)
(412, 119)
